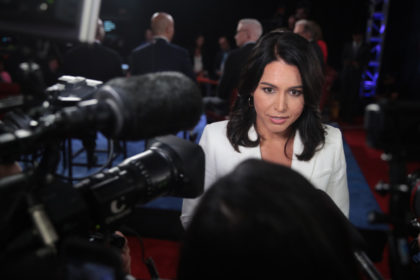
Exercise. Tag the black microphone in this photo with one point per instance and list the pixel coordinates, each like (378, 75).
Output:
(132, 108)
(140, 107)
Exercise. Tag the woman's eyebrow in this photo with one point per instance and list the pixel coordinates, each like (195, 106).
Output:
(274, 86)
(268, 84)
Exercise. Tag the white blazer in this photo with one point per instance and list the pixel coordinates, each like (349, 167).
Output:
(326, 170)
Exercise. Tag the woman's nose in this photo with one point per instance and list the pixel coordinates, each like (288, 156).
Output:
(280, 102)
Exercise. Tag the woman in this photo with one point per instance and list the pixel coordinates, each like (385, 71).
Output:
(276, 118)
(198, 57)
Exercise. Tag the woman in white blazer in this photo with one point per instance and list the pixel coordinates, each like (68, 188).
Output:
(276, 118)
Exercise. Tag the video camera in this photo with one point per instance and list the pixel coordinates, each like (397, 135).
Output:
(46, 222)
(41, 212)
(393, 126)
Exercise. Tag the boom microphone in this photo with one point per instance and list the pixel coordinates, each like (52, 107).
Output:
(144, 106)
(132, 108)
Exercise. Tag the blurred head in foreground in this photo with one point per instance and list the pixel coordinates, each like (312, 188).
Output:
(264, 220)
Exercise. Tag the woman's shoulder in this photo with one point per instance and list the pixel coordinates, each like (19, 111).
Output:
(214, 137)
(217, 126)
(215, 131)
(332, 134)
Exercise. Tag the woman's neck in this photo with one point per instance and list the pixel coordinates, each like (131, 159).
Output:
(277, 148)
(266, 135)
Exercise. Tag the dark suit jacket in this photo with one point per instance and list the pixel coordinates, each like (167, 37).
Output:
(361, 55)
(218, 60)
(231, 73)
(160, 55)
(319, 54)
(94, 61)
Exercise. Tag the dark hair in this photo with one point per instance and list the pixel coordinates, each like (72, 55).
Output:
(294, 50)
(262, 220)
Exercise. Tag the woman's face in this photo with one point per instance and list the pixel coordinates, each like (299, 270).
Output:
(278, 98)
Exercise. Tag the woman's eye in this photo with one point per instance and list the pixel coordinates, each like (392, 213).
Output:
(295, 92)
(268, 90)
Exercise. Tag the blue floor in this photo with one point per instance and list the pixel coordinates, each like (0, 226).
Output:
(362, 201)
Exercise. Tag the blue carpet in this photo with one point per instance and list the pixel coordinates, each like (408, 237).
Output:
(362, 201)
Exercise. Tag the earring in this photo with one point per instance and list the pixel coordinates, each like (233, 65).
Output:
(251, 101)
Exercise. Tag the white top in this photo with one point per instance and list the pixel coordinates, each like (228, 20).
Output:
(326, 170)
(198, 63)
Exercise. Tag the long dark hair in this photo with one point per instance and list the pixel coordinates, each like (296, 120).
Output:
(294, 50)
(262, 219)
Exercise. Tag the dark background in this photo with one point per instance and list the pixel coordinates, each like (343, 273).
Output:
(219, 17)
(400, 55)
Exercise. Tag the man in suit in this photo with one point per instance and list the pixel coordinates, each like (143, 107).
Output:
(355, 57)
(94, 61)
(248, 31)
(305, 28)
(221, 56)
(161, 54)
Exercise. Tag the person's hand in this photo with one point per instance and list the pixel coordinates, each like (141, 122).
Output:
(125, 254)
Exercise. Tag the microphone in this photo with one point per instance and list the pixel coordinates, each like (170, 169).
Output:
(129, 108)
(140, 107)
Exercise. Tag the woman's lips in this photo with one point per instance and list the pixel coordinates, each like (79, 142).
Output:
(278, 120)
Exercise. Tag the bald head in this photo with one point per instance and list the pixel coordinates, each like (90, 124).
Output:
(162, 24)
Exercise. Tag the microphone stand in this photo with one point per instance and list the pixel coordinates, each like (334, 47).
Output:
(400, 259)
(367, 266)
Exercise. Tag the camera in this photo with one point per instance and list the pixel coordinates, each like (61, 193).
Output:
(46, 218)
(393, 126)
(52, 228)
(44, 214)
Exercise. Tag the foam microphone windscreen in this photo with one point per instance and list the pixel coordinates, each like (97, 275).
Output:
(151, 105)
